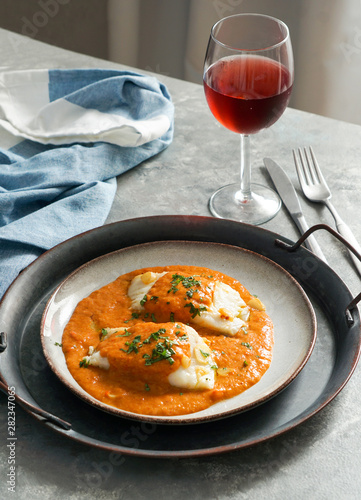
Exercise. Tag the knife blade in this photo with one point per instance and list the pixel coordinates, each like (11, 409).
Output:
(290, 199)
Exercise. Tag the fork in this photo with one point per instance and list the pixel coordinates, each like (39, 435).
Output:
(315, 188)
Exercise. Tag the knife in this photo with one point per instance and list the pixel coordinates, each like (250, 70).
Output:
(289, 197)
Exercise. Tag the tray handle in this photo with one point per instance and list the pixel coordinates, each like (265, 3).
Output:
(59, 422)
(292, 248)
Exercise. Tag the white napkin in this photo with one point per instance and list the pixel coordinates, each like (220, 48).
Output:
(70, 106)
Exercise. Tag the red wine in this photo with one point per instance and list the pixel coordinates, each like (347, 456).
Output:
(247, 93)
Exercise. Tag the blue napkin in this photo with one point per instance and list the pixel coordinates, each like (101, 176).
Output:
(66, 135)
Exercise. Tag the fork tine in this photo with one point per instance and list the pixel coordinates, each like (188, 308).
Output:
(310, 171)
(317, 169)
(300, 168)
(312, 182)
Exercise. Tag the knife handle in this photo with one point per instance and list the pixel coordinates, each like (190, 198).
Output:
(310, 242)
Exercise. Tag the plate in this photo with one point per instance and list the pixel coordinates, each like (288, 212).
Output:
(286, 303)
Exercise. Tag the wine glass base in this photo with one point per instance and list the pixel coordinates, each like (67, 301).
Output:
(261, 207)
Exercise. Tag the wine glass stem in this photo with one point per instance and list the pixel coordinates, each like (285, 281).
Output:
(245, 194)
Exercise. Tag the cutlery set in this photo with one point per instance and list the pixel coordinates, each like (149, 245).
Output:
(315, 189)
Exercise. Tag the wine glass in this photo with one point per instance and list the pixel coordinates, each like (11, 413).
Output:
(248, 79)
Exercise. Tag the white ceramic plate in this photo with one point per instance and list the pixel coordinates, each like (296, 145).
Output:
(286, 304)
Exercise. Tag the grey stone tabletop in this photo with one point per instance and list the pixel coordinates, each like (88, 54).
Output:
(319, 459)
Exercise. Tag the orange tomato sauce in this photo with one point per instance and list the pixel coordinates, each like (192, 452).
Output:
(135, 386)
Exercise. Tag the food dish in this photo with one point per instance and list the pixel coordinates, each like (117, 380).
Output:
(289, 308)
(168, 340)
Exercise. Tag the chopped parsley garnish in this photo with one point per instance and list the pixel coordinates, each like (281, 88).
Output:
(155, 335)
(133, 346)
(162, 351)
(103, 333)
(247, 344)
(190, 283)
(143, 301)
(187, 281)
(204, 354)
(135, 315)
(126, 333)
(195, 311)
(57, 344)
(84, 363)
(146, 387)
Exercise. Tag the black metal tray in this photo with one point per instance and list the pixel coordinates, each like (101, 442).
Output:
(23, 366)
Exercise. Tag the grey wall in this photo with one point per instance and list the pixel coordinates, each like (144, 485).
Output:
(78, 25)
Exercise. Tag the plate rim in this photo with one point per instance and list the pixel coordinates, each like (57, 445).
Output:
(186, 419)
